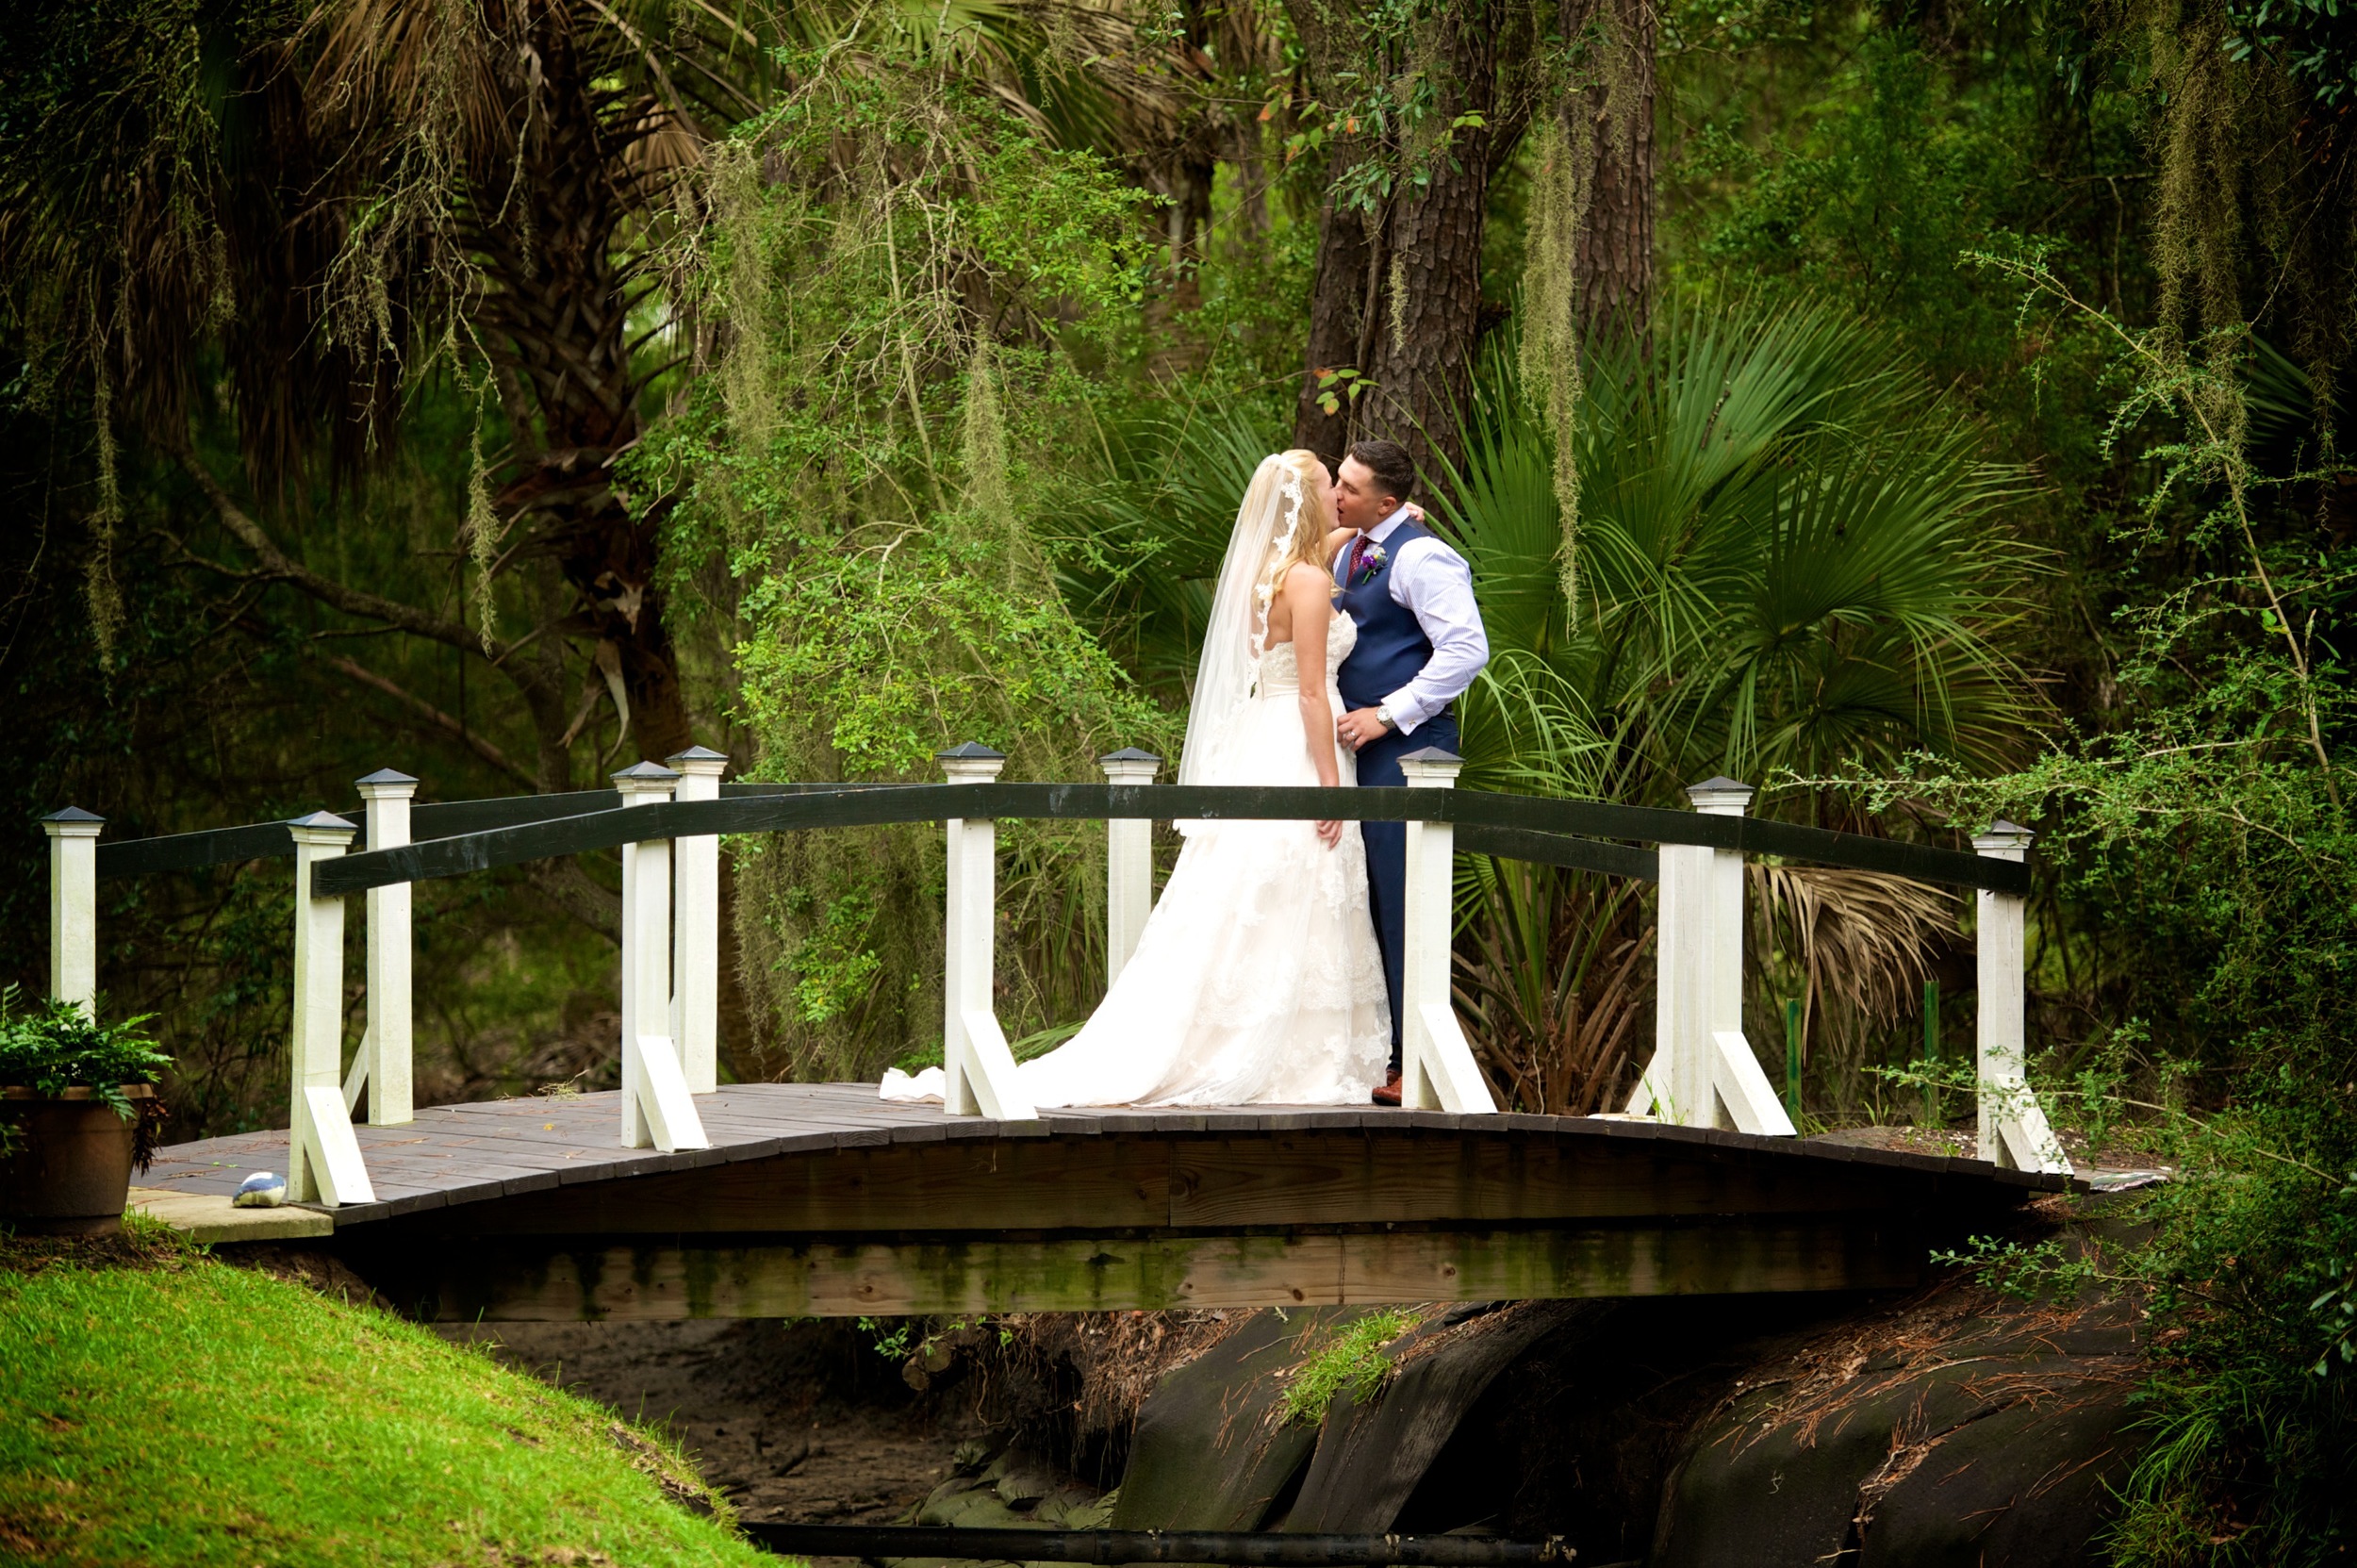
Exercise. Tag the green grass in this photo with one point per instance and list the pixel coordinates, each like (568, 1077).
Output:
(1352, 1362)
(158, 1407)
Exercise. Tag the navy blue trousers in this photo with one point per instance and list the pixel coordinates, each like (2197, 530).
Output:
(1387, 849)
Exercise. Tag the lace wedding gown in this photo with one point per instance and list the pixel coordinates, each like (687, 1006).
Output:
(1256, 980)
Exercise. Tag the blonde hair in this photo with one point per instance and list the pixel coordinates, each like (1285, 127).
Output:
(1302, 543)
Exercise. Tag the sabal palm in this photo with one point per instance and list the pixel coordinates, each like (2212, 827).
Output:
(1790, 556)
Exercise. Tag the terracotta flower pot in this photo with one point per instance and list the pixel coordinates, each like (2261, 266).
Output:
(71, 1173)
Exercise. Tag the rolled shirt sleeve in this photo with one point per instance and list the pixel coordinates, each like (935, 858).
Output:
(1432, 583)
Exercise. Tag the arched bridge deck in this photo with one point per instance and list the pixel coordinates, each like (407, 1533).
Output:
(819, 1199)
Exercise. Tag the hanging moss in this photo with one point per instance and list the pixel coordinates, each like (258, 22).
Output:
(105, 599)
(1591, 80)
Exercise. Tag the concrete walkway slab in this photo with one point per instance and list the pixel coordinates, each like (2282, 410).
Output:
(213, 1218)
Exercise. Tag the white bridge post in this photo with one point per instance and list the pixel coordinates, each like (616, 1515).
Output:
(656, 1110)
(1437, 1067)
(73, 906)
(381, 1067)
(696, 975)
(1129, 862)
(976, 1063)
(1702, 1072)
(2012, 1128)
(323, 1162)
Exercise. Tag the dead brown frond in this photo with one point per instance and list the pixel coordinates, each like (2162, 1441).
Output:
(1858, 944)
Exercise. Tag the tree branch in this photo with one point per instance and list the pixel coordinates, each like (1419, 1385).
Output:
(327, 590)
(433, 717)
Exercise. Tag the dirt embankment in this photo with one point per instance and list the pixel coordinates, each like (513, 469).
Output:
(1949, 1424)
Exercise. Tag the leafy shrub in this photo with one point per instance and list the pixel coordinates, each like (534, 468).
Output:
(56, 1046)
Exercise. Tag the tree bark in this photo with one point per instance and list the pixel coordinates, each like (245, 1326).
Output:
(1398, 299)
(1613, 255)
(559, 319)
(1427, 286)
(1338, 302)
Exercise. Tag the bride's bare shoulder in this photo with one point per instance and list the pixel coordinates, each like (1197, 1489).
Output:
(1307, 583)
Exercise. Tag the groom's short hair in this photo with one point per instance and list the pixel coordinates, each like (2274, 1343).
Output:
(1390, 465)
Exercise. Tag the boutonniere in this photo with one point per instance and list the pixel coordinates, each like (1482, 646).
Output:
(1370, 561)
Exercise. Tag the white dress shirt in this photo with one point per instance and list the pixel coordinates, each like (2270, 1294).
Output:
(1432, 583)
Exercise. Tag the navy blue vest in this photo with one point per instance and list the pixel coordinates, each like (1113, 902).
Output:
(1392, 646)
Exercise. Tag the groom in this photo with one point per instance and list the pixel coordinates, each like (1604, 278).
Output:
(1420, 646)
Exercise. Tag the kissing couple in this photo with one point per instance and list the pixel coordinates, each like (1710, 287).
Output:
(1342, 631)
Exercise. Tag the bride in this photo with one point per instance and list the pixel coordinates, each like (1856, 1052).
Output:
(1257, 978)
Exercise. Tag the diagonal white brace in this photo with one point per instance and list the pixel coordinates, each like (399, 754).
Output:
(1449, 1067)
(332, 1152)
(356, 1077)
(1744, 1089)
(663, 1105)
(997, 1088)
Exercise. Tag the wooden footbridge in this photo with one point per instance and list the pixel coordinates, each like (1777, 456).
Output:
(676, 1197)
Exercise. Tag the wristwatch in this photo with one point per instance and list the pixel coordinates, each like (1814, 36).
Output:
(1383, 716)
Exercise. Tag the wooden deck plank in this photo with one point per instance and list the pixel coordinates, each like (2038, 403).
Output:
(825, 1156)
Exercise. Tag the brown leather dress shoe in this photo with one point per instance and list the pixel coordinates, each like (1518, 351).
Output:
(1388, 1093)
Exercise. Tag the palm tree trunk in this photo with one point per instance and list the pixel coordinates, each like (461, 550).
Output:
(559, 315)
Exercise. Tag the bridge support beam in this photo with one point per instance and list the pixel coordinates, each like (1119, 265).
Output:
(1702, 1072)
(323, 1162)
(73, 906)
(2012, 1128)
(1437, 1067)
(1129, 862)
(381, 1067)
(656, 1110)
(695, 925)
(580, 1278)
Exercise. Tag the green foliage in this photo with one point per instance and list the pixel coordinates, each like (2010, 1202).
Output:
(2204, 905)
(189, 1413)
(55, 1046)
(1351, 1362)
(1793, 552)
(910, 278)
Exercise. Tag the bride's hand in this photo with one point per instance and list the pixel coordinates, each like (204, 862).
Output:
(1329, 833)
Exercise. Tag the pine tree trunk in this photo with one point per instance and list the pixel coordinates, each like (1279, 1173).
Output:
(1613, 258)
(1338, 303)
(1398, 300)
(1428, 282)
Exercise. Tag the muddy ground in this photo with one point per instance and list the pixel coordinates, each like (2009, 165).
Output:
(802, 1422)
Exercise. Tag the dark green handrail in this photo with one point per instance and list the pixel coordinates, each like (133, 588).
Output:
(1522, 827)
(186, 851)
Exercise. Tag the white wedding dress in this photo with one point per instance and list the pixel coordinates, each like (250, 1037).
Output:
(1256, 980)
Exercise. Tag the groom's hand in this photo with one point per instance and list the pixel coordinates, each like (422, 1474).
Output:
(1357, 727)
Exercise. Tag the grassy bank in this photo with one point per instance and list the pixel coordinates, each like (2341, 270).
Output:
(158, 1406)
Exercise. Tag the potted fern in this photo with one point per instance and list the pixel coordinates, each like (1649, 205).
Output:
(78, 1112)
